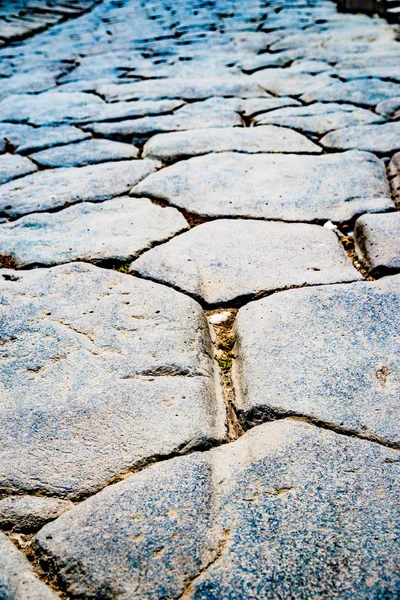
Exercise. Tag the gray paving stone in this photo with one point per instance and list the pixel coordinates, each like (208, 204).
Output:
(253, 106)
(292, 188)
(103, 371)
(85, 153)
(285, 82)
(60, 187)
(28, 139)
(115, 230)
(389, 109)
(171, 146)
(394, 176)
(331, 354)
(12, 166)
(318, 118)
(377, 242)
(366, 92)
(30, 513)
(227, 259)
(17, 578)
(287, 511)
(382, 139)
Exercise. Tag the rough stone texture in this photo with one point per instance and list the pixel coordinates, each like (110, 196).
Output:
(30, 513)
(171, 146)
(101, 371)
(293, 188)
(60, 187)
(317, 118)
(23, 138)
(331, 354)
(286, 511)
(373, 138)
(377, 242)
(113, 230)
(394, 176)
(12, 166)
(229, 259)
(367, 92)
(389, 109)
(85, 153)
(17, 578)
(283, 82)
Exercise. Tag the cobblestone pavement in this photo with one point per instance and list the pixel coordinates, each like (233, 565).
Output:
(200, 301)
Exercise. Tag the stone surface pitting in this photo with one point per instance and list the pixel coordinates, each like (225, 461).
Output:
(85, 153)
(331, 354)
(17, 578)
(383, 139)
(172, 146)
(116, 230)
(13, 166)
(101, 371)
(377, 242)
(288, 510)
(290, 188)
(30, 513)
(58, 188)
(227, 259)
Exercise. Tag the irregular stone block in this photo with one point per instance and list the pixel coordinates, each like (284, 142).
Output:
(367, 92)
(170, 146)
(317, 118)
(394, 176)
(12, 166)
(377, 242)
(60, 187)
(26, 139)
(85, 153)
(30, 513)
(389, 109)
(373, 138)
(284, 82)
(101, 373)
(17, 578)
(292, 188)
(253, 106)
(332, 354)
(287, 511)
(227, 260)
(115, 230)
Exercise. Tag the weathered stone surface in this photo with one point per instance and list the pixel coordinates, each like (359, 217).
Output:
(287, 511)
(377, 242)
(101, 371)
(331, 353)
(284, 82)
(367, 92)
(389, 109)
(17, 578)
(373, 138)
(293, 188)
(253, 106)
(28, 139)
(29, 513)
(60, 187)
(170, 146)
(318, 118)
(394, 176)
(195, 88)
(12, 166)
(113, 230)
(85, 153)
(228, 259)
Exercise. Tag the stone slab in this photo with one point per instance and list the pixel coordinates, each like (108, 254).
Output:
(331, 353)
(318, 118)
(287, 511)
(100, 372)
(171, 146)
(377, 242)
(389, 109)
(61, 187)
(13, 166)
(228, 259)
(17, 578)
(85, 153)
(285, 82)
(116, 230)
(394, 176)
(30, 513)
(23, 138)
(365, 92)
(292, 188)
(383, 139)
